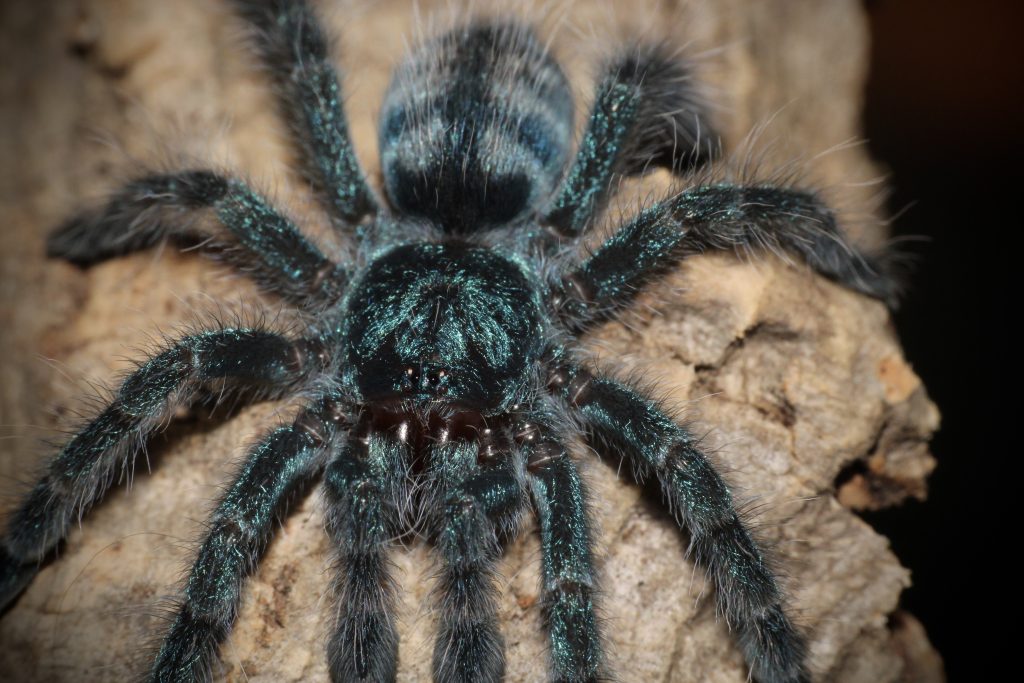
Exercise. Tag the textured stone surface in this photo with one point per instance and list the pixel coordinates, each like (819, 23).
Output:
(801, 385)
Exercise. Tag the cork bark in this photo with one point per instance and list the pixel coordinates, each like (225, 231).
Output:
(801, 385)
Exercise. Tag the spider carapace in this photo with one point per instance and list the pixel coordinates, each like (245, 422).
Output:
(442, 381)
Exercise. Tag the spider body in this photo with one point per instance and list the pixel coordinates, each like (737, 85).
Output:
(443, 387)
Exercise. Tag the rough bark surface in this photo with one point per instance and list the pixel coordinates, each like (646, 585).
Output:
(801, 385)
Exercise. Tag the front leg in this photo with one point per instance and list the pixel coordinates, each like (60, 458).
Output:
(567, 570)
(286, 460)
(620, 421)
(86, 466)
(746, 219)
(247, 231)
(363, 488)
(469, 646)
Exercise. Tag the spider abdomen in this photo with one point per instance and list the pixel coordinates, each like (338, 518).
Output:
(476, 128)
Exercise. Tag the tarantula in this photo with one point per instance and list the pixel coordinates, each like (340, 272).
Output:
(443, 382)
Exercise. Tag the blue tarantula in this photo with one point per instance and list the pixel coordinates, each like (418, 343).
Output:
(443, 380)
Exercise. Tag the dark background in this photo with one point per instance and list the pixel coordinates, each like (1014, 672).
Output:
(944, 112)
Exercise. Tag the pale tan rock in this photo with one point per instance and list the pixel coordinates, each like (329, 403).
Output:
(796, 380)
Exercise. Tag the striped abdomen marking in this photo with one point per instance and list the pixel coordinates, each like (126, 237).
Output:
(475, 128)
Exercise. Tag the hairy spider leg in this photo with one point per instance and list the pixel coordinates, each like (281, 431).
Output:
(645, 112)
(362, 485)
(568, 581)
(275, 471)
(293, 48)
(86, 466)
(618, 420)
(744, 219)
(476, 504)
(248, 231)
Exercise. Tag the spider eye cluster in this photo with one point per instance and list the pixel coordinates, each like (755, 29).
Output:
(430, 377)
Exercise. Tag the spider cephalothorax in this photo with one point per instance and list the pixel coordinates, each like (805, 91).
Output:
(444, 387)
(444, 322)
